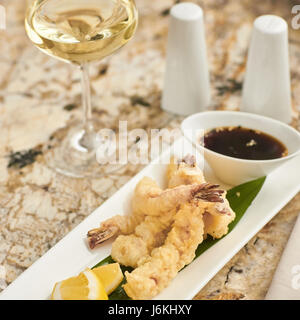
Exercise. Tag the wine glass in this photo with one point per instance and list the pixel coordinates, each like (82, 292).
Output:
(80, 31)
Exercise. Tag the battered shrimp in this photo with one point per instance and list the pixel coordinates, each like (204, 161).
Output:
(148, 200)
(216, 224)
(186, 172)
(151, 233)
(156, 271)
(129, 250)
(125, 224)
(139, 233)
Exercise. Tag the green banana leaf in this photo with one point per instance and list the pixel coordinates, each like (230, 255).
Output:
(239, 197)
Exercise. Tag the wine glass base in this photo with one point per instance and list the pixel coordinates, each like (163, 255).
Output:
(74, 160)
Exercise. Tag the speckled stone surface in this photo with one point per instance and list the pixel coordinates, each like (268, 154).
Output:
(39, 96)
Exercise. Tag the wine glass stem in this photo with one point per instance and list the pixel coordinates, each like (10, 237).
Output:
(86, 92)
(87, 140)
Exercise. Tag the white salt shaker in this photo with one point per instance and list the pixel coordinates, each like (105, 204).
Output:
(266, 88)
(186, 84)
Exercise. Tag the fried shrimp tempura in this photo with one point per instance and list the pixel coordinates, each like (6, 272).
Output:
(151, 233)
(185, 171)
(125, 224)
(156, 271)
(148, 200)
(161, 235)
(137, 237)
(216, 225)
(130, 249)
(139, 233)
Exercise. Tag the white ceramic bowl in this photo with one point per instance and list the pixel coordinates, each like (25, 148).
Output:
(231, 170)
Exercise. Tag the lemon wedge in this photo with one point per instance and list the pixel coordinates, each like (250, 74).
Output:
(110, 275)
(86, 286)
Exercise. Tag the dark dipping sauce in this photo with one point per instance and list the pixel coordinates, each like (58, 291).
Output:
(244, 143)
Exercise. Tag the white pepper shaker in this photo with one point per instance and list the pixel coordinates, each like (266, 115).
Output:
(186, 83)
(266, 88)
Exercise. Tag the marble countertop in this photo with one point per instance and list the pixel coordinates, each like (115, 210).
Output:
(40, 95)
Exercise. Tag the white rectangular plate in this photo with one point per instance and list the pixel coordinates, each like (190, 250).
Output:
(71, 255)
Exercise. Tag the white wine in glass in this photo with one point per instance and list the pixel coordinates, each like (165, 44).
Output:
(80, 31)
